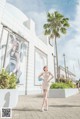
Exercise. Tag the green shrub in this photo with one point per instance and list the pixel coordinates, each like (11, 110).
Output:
(7, 81)
(62, 85)
(71, 84)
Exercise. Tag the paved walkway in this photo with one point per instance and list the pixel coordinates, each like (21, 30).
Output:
(28, 107)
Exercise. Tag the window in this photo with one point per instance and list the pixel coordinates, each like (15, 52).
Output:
(40, 61)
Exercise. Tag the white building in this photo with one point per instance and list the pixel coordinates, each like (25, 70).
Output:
(17, 30)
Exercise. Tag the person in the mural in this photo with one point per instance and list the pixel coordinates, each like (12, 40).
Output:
(46, 76)
(13, 66)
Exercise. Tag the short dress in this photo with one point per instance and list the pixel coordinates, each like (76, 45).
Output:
(45, 83)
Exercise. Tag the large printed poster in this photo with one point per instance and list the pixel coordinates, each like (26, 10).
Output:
(13, 56)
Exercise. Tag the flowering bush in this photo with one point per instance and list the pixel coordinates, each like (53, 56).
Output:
(7, 81)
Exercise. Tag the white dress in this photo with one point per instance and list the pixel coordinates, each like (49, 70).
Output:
(45, 83)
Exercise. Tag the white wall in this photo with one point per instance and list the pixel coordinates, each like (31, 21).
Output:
(13, 23)
(2, 5)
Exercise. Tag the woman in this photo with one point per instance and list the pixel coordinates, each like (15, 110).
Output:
(13, 66)
(46, 76)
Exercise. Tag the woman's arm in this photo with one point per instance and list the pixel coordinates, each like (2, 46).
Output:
(40, 75)
(51, 76)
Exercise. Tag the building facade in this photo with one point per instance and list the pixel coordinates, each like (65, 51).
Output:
(21, 48)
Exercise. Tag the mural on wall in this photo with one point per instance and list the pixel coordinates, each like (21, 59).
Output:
(13, 56)
(40, 62)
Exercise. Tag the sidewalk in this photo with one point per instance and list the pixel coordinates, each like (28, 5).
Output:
(29, 107)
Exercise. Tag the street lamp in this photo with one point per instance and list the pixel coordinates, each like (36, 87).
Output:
(67, 72)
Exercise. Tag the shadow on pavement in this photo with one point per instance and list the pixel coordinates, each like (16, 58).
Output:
(26, 109)
(64, 106)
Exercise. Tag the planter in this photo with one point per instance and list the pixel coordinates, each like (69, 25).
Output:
(8, 98)
(62, 93)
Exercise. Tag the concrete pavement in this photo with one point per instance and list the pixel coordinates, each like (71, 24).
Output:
(29, 107)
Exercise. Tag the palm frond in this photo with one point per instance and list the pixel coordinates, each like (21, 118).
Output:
(63, 30)
(56, 24)
(47, 32)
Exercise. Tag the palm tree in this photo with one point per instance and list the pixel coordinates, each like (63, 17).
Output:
(56, 25)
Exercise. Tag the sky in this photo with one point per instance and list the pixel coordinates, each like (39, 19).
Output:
(69, 43)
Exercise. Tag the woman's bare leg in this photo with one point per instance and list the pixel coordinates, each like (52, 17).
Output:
(46, 99)
(44, 93)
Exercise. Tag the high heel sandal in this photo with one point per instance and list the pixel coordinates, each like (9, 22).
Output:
(42, 109)
(46, 109)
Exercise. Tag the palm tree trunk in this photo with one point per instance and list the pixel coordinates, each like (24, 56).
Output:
(57, 77)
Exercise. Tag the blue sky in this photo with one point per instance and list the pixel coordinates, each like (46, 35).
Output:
(68, 44)
(65, 6)
(32, 8)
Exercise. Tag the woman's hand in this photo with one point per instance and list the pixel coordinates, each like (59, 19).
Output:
(48, 80)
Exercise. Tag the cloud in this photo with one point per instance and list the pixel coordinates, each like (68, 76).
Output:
(28, 5)
(71, 47)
